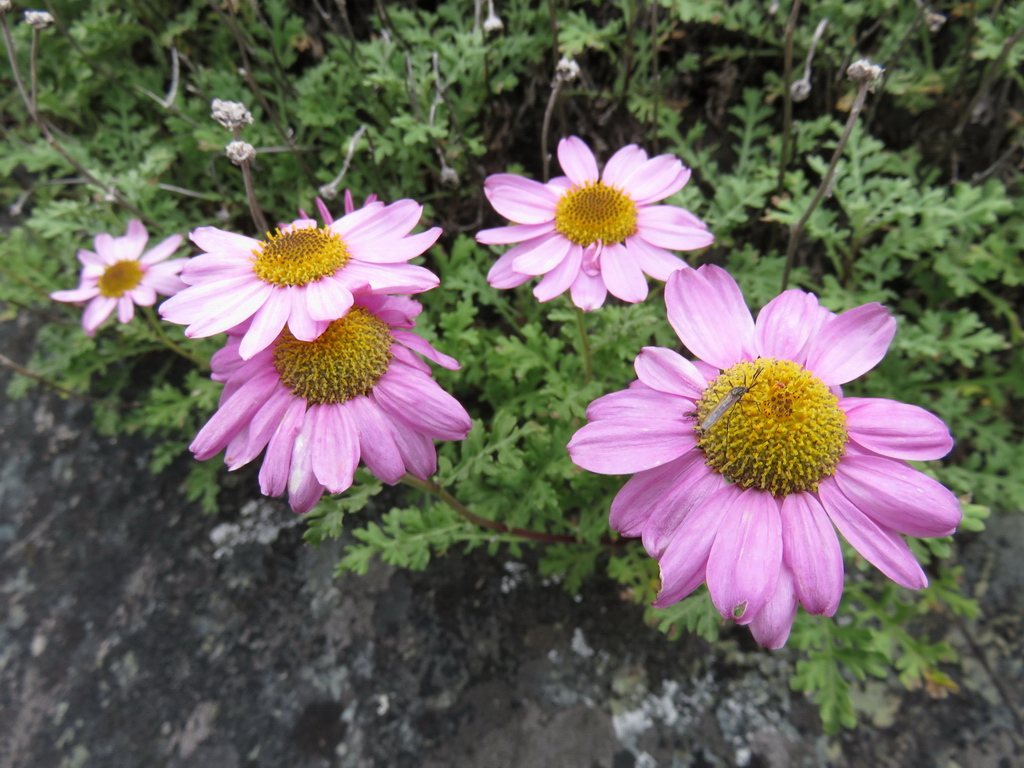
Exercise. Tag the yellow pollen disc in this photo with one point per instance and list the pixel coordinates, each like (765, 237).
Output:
(595, 212)
(345, 361)
(300, 256)
(778, 428)
(119, 278)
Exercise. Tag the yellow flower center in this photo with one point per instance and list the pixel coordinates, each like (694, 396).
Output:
(595, 212)
(345, 361)
(300, 256)
(771, 425)
(119, 278)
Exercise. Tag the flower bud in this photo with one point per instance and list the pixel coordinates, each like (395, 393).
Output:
(37, 19)
(239, 152)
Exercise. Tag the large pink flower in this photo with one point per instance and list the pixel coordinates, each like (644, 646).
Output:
(746, 459)
(592, 233)
(118, 274)
(357, 391)
(302, 276)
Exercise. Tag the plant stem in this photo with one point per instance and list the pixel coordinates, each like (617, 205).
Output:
(437, 491)
(30, 105)
(154, 323)
(6, 362)
(545, 156)
(254, 208)
(826, 181)
(588, 353)
(787, 96)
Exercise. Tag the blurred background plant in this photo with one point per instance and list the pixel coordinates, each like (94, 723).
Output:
(106, 116)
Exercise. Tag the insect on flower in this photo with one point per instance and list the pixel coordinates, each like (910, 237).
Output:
(732, 397)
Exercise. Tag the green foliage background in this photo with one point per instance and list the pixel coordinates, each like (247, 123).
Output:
(925, 215)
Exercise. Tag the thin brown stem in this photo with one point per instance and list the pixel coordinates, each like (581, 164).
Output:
(438, 492)
(787, 96)
(826, 181)
(990, 75)
(545, 156)
(6, 362)
(30, 105)
(254, 207)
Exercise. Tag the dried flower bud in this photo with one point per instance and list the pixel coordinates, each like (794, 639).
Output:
(5, 5)
(239, 152)
(800, 89)
(567, 70)
(37, 19)
(934, 20)
(493, 23)
(230, 114)
(863, 71)
(449, 177)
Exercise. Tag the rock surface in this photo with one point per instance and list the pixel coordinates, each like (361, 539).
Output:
(138, 632)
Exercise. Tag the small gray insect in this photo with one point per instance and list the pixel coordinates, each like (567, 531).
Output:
(734, 396)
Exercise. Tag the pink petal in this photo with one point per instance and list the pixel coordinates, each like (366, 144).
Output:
(560, 279)
(83, 293)
(707, 311)
(898, 496)
(417, 451)
(125, 309)
(897, 430)
(129, 247)
(392, 250)
(516, 233)
(622, 275)
(694, 485)
(773, 623)
(588, 292)
(577, 160)
(377, 443)
(214, 240)
(653, 489)
(880, 546)
(278, 461)
(685, 560)
(96, 312)
(267, 323)
(745, 559)
(232, 415)
(419, 402)
(304, 491)
(501, 275)
(624, 445)
(668, 371)
(622, 165)
(90, 259)
(523, 201)
(656, 262)
(389, 278)
(356, 219)
(785, 324)
(162, 250)
(656, 179)
(667, 226)
(423, 347)
(302, 326)
(638, 402)
(811, 549)
(851, 344)
(545, 255)
(389, 222)
(262, 427)
(328, 299)
(143, 294)
(207, 305)
(335, 449)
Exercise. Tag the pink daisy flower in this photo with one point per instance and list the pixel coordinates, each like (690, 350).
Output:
(118, 274)
(748, 460)
(302, 276)
(357, 391)
(592, 233)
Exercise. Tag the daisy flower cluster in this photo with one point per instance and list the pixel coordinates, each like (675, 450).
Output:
(321, 369)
